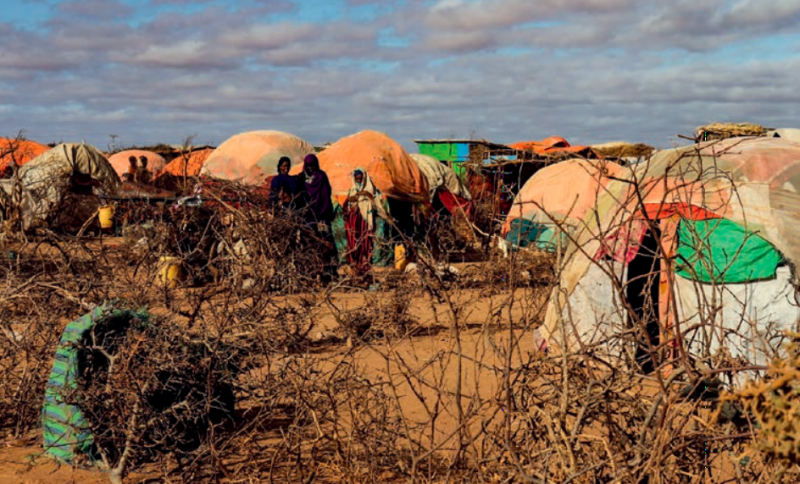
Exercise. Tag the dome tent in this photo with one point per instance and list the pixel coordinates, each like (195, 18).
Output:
(714, 224)
(192, 164)
(790, 134)
(252, 157)
(155, 162)
(60, 186)
(189, 164)
(391, 168)
(554, 145)
(18, 152)
(563, 192)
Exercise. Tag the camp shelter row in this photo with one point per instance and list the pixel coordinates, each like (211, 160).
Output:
(251, 158)
(65, 185)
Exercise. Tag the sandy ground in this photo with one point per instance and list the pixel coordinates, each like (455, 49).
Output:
(27, 465)
(21, 461)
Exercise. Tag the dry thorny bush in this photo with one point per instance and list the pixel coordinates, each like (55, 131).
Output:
(431, 390)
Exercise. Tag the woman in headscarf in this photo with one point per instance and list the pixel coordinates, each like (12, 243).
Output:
(283, 188)
(364, 201)
(319, 209)
(318, 190)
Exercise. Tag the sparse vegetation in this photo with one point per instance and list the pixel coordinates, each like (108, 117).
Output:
(245, 374)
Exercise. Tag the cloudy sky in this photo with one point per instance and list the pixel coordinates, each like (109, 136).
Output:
(507, 70)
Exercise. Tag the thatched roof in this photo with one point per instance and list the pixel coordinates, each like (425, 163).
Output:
(717, 131)
(622, 149)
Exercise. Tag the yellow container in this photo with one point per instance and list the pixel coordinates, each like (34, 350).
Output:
(400, 261)
(170, 272)
(105, 214)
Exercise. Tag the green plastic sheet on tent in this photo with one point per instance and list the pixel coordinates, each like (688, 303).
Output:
(525, 233)
(722, 251)
(66, 433)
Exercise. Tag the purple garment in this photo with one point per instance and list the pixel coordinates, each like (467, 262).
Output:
(318, 188)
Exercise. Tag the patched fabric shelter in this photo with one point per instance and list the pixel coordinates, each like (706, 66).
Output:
(559, 194)
(706, 230)
(446, 188)
(61, 186)
(440, 176)
(155, 162)
(251, 158)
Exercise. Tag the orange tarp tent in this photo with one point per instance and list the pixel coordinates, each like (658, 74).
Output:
(193, 164)
(566, 191)
(552, 145)
(19, 152)
(155, 162)
(252, 157)
(391, 168)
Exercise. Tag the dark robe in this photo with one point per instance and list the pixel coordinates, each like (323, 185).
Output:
(318, 189)
(281, 183)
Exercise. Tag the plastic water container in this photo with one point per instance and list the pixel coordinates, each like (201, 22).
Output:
(170, 273)
(105, 215)
(400, 261)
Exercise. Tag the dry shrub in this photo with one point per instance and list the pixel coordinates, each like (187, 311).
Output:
(537, 267)
(449, 235)
(28, 337)
(566, 421)
(523, 268)
(45, 285)
(380, 315)
(231, 237)
(131, 213)
(558, 431)
(149, 388)
(314, 418)
(774, 404)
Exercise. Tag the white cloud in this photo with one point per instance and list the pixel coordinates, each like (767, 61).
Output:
(470, 67)
(185, 54)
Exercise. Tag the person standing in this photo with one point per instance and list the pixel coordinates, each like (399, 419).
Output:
(319, 209)
(131, 172)
(364, 201)
(283, 188)
(319, 192)
(143, 175)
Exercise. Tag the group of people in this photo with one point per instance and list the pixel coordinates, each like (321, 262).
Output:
(310, 193)
(137, 173)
